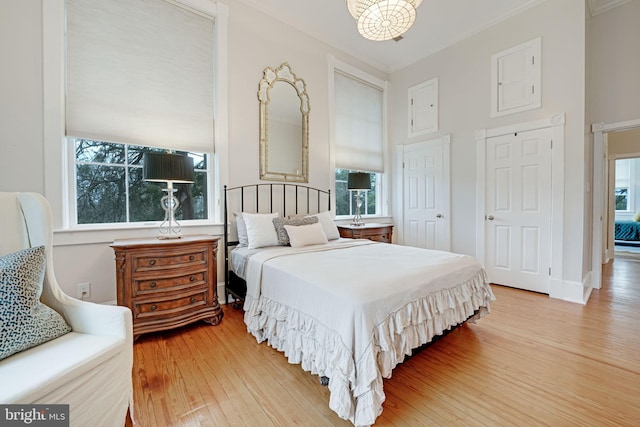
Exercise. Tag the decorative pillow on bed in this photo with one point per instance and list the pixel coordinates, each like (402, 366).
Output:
(304, 235)
(24, 321)
(329, 227)
(241, 228)
(260, 229)
(636, 217)
(279, 223)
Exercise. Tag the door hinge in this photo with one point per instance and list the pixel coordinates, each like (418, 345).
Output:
(533, 89)
(551, 144)
(411, 101)
(402, 165)
(549, 271)
(533, 60)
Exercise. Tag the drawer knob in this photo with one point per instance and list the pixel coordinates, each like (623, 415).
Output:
(152, 284)
(153, 307)
(193, 299)
(191, 257)
(152, 262)
(192, 279)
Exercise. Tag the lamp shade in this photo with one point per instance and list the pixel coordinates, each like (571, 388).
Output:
(164, 167)
(359, 181)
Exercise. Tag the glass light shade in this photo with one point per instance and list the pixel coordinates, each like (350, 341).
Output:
(383, 19)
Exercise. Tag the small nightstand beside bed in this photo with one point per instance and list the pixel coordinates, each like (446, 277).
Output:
(346, 309)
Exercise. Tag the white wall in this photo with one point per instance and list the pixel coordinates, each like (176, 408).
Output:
(21, 123)
(255, 42)
(615, 64)
(464, 97)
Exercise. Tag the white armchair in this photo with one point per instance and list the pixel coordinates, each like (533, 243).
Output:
(88, 368)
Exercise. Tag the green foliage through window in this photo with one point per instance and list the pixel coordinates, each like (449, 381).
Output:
(110, 188)
(622, 199)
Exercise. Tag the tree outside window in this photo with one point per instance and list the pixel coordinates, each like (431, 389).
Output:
(110, 188)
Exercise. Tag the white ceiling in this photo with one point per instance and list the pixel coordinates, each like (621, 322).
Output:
(439, 24)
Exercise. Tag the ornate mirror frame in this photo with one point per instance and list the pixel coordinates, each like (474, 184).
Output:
(282, 74)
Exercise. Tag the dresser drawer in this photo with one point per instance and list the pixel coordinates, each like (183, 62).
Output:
(168, 283)
(183, 303)
(376, 232)
(383, 237)
(159, 261)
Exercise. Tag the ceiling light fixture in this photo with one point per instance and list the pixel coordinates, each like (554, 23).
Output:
(383, 19)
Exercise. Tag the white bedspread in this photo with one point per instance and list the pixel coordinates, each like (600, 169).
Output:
(352, 309)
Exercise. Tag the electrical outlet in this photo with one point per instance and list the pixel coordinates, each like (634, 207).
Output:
(84, 291)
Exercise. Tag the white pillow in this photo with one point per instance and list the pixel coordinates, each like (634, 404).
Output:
(329, 227)
(260, 229)
(303, 235)
(241, 227)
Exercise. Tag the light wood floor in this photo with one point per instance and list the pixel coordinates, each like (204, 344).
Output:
(532, 361)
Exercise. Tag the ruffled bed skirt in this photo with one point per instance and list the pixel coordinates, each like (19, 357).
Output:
(356, 385)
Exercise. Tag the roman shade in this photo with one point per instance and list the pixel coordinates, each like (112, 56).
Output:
(140, 72)
(358, 125)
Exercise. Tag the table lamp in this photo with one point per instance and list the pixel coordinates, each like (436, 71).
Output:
(169, 168)
(358, 181)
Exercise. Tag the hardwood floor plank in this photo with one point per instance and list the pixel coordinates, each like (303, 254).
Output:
(532, 361)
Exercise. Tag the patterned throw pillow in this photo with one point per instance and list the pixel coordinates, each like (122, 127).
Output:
(279, 223)
(24, 321)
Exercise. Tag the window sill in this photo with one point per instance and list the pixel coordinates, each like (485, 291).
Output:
(83, 236)
(347, 219)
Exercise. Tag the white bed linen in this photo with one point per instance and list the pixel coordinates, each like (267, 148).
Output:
(352, 309)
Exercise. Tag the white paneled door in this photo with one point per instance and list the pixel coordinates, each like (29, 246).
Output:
(518, 210)
(426, 195)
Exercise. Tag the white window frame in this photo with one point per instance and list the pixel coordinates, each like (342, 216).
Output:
(382, 181)
(630, 187)
(72, 191)
(58, 165)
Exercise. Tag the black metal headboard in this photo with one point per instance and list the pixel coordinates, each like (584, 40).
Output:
(285, 198)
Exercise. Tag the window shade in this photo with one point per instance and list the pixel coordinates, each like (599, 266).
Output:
(358, 125)
(140, 72)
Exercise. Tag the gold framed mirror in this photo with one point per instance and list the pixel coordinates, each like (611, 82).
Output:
(284, 126)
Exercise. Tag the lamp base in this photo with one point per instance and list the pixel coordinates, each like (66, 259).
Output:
(170, 228)
(357, 219)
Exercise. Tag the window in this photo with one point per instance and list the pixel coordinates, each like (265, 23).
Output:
(359, 137)
(110, 188)
(345, 200)
(623, 185)
(139, 74)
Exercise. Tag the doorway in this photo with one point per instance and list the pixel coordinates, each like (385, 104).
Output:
(603, 215)
(518, 205)
(557, 286)
(425, 194)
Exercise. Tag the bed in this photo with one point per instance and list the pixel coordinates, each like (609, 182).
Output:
(347, 310)
(627, 231)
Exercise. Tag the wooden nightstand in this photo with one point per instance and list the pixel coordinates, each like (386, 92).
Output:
(168, 283)
(376, 232)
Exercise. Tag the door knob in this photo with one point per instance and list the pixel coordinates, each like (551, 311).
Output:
(490, 218)
(439, 216)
